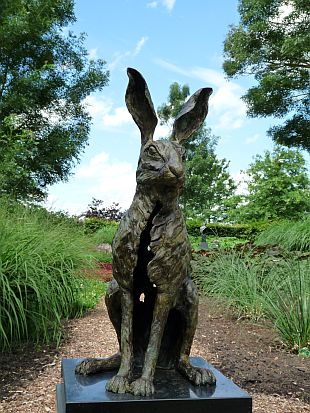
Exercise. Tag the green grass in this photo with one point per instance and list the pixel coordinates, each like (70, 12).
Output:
(90, 292)
(40, 259)
(224, 242)
(292, 236)
(105, 234)
(288, 305)
(278, 289)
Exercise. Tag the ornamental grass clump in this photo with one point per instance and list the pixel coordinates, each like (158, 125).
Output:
(290, 235)
(276, 288)
(288, 305)
(238, 280)
(39, 261)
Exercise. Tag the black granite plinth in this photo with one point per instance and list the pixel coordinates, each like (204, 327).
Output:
(173, 394)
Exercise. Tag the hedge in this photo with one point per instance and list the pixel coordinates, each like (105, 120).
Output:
(246, 231)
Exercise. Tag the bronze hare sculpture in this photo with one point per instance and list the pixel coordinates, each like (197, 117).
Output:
(152, 302)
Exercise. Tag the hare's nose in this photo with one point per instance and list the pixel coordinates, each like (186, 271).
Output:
(176, 170)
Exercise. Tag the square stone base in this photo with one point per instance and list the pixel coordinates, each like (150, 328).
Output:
(173, 394)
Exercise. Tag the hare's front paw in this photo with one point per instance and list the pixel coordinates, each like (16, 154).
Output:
(85, 367)
(118, 384)
(142, 387)
(196, 375)
(201, 377)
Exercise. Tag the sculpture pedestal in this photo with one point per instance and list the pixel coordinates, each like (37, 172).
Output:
(173, 394)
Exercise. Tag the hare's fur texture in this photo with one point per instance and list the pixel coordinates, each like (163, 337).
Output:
(152, 301)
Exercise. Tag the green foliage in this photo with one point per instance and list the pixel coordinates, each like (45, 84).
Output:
(221, 242)
(261, 286)
(40, 259)
(93, 225)
(272, 43)
(208, 184)
(106, 233)
(45, 75)
(278, 186)
(245, 231)
(89, 293)
(291, 236)
(238, 280)
(289, 305)
(177, 96)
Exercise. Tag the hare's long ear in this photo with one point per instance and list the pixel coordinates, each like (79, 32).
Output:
(140, 105)
(192, 115)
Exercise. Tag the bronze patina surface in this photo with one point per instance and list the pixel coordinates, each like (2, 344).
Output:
(152, 301)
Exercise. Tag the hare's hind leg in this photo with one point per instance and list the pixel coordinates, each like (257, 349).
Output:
(196, 375)
(94, 365)
(120, 382)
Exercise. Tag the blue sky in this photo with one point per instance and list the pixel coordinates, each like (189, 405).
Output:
(167, 41)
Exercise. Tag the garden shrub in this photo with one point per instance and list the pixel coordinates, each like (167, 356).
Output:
(92, 225)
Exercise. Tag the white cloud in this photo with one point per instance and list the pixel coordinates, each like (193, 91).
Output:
(111, 181)
(98, 106)
(252, 139)
(162, 131)
(241, 179)
(92, 53)
(169, 4)
(118, 117)
(139, 45)
(170, 66)
(100, 178)
(119, 56)
(228, 106)
(208, 75)
(152, 4)
(104, 115)
(226, 103)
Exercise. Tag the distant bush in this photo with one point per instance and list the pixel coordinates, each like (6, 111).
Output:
(246, 231)
(97, 210)
(92, 225)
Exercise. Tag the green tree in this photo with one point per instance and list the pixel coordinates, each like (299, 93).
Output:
(45, 75)
(272, 42)
(208, 185)
(278, 186)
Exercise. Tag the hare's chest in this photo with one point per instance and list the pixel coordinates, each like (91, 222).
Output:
(166, 231)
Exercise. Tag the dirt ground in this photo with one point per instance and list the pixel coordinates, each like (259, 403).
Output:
(249, 354)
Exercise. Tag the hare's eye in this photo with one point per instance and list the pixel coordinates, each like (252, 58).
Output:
(152, 151)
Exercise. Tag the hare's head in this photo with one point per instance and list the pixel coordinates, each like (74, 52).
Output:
(161, 161)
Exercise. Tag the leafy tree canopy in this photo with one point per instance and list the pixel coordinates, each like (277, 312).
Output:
(272, 42)
(45, 75)
(208, 185)
(278, 186)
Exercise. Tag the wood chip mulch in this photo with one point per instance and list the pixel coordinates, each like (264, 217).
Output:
(249, 354)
